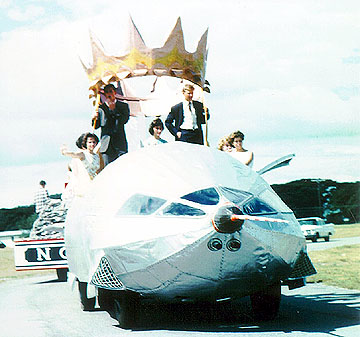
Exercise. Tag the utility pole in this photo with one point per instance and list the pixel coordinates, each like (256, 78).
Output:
(319, 198)
(320, 206)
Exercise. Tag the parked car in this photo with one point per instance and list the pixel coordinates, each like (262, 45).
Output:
(315, 228)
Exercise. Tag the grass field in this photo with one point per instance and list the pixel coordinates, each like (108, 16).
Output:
(338, 266)
(346, 231)
(7, 270)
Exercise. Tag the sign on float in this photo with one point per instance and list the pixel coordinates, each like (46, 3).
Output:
(40, 254)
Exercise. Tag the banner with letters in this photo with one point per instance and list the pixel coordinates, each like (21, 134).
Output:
(40, 254)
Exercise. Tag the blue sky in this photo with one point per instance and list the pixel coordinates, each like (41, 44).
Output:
(285, 73)
(30, 13)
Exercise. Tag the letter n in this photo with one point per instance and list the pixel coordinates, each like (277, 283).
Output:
(43, 255)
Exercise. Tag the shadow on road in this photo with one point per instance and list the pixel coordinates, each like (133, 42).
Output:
(50, 281)
(316, 313)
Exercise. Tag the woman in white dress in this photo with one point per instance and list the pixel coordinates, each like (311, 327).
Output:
(156, 128)
(245, 156)
(85, 165)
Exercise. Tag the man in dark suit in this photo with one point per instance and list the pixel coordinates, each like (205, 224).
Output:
(185, 119)
(111, 117)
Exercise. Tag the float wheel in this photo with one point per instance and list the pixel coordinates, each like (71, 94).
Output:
(266, 303)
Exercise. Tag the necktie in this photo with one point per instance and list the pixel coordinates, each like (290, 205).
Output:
(190, 106)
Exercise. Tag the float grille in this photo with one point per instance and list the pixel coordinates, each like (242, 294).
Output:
(104, 276)
(303, 266)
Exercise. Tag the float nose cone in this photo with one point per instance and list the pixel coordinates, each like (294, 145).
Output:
(225, 220)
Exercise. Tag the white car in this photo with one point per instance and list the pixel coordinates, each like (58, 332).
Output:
(315, 228)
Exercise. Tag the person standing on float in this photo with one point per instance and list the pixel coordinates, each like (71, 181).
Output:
(112, 116)
(185, 118)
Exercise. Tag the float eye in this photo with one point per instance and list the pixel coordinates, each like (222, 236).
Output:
(214, 244)
(233, 245)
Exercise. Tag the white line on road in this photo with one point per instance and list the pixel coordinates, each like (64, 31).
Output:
(312, 246)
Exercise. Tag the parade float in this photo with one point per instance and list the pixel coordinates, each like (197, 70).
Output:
(179, 222)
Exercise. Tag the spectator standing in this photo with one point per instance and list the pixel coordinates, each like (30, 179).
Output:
(41, 198)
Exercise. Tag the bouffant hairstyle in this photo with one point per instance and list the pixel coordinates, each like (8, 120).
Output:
(222, 142)
(155, 122)
(85, 138)
(80, 140)
(235, 134)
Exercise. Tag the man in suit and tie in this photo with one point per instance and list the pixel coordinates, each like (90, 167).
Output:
(185, 119)
(112, 117)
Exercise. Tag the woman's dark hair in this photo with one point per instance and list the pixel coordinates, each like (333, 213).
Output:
(109, 88)
(235, 134)
(79, 141)
(85, 137)
(155, 122)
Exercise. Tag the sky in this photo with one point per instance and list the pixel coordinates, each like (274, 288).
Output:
(285, 73)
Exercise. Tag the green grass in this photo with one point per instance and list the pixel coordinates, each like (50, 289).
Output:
(338, 266)
(346, 231)
(7, 270)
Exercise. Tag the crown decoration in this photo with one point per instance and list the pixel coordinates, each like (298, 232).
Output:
(170, 60)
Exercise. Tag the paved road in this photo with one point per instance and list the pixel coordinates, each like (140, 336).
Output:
(43, 307)
(321, 245)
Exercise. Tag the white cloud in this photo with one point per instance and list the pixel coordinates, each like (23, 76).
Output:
(324, 158)
(293, 113)
(5, 3)
(41, 73)
(25, 14)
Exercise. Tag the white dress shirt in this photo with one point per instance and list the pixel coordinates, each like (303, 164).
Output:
(189, 122)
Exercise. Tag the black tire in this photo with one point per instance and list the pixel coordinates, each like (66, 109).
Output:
(327, 238)
(126, 309)
(106, 300)
(315, 238)
(265, 304)
(87, 304)
(62, 274)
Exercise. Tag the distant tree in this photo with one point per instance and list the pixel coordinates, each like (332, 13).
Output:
(301, 196)
(21, 217)
(328, 199)
(17, 218)
(346, 198)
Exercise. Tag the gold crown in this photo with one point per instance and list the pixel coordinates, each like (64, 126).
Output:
(170, 60)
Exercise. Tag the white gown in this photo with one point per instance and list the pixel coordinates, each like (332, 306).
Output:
(151, 141)
(80, 177)
(243, 157)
